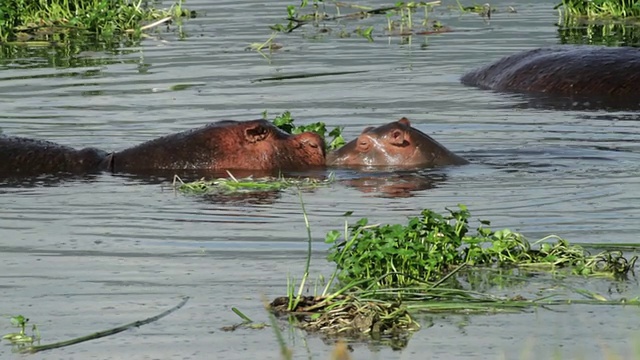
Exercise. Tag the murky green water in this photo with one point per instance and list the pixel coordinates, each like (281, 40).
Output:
(83, 255)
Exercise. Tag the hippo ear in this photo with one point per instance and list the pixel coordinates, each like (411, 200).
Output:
(364, 143)
(397, 137)
(404, 121)
(256, 133)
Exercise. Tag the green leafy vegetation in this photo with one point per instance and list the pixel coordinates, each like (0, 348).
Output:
(342, 19)
(385, 273)
(21, 339)
(285, 122)
(432, 245)
(232, 185)
(593, 9)
(401, 15)
(54, 20)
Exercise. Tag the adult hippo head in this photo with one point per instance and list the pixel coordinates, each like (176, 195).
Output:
(396, 144)
(224, 145)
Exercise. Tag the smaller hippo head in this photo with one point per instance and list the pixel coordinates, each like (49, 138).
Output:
(299, 151)
(396, 144)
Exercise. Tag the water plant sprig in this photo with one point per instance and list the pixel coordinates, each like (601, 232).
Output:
(21, 322)
(285, 122)
(21, 338)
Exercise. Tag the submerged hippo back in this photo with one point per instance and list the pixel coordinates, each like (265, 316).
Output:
(224, 145)
(31, 157)
(564, 70)
(396, 144)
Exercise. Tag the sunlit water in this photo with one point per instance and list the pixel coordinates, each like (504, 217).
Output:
(83, 255)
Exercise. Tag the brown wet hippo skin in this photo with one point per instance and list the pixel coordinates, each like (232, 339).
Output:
(31, 157)
(396, 144)
(564, 70)
(225, 145)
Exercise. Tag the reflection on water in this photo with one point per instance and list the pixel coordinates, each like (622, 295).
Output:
(394, 184)
(581, 31)
(534, 169)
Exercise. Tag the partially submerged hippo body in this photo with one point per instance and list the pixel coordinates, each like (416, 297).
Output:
(607, 74)
(396, 144)
(31, 157)
(224, 145)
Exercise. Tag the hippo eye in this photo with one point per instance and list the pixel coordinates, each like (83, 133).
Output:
(313, 145)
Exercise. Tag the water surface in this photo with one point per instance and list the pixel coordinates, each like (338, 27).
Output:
(85, 254)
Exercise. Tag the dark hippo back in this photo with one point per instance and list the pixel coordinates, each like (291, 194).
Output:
(584, 72)
(31, 157)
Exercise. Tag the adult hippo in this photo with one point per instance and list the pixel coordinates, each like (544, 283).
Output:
(224, 145)
(606, 75)
(396, 144)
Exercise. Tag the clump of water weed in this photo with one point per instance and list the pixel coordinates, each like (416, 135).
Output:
(430, 246)
(232, 185)
(602, 9)
(285, 122)
(103, 18)
(386, 273)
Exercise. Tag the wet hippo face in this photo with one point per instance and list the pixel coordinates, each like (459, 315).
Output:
(260, 145)
(396, 144)
(299, 151)
(225, 145)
